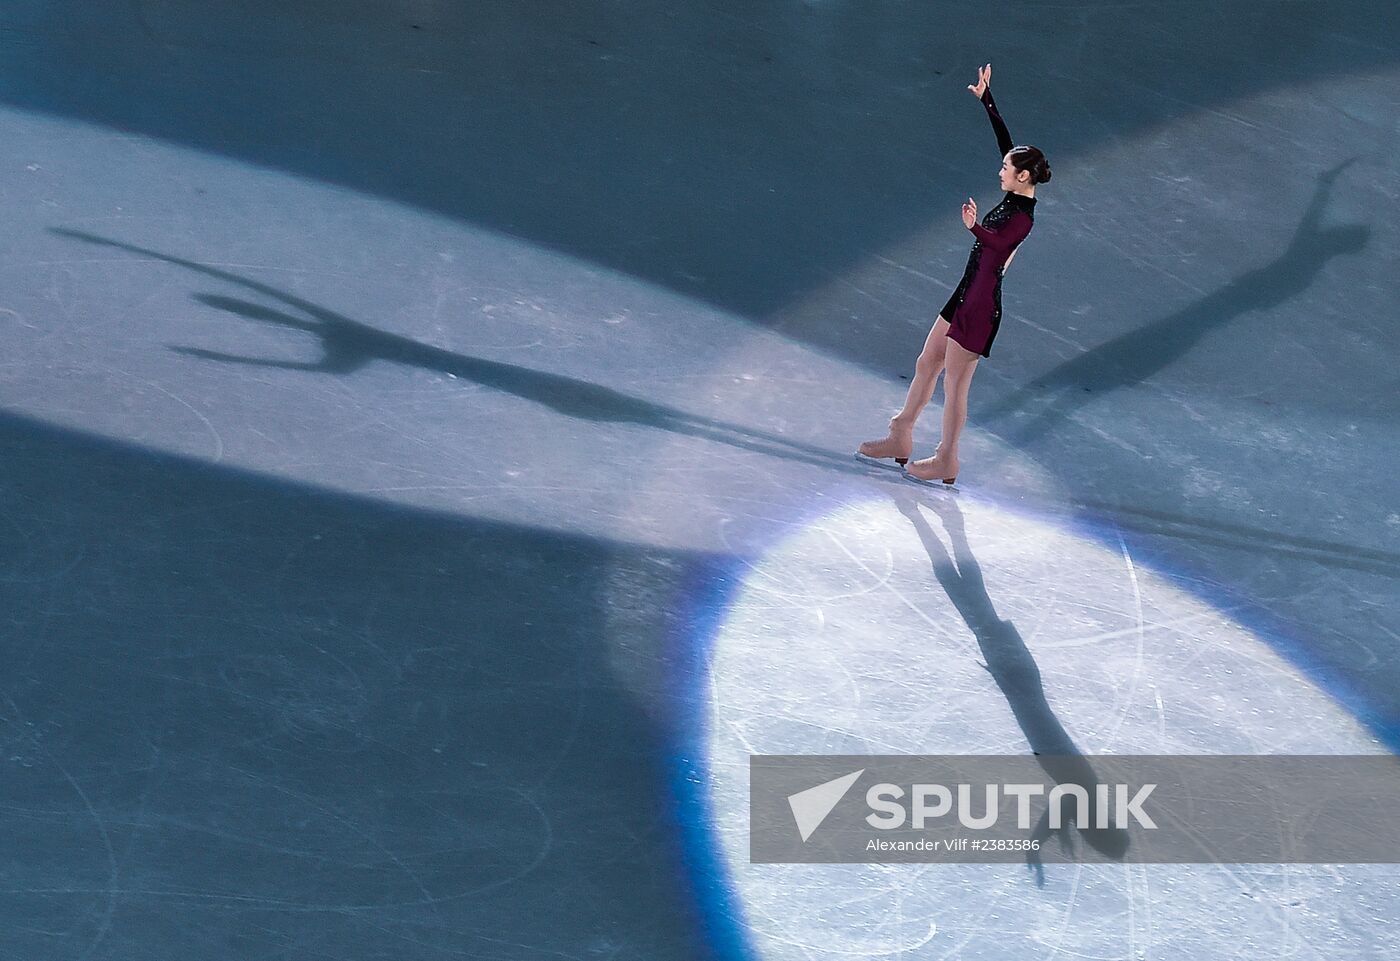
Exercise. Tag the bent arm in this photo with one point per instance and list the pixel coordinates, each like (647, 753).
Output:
(1004, 141)
(1005, 237)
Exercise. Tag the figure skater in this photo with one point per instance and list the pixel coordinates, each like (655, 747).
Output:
(968, 322)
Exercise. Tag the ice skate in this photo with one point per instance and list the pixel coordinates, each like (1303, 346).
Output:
(897, 445)
(936, 471)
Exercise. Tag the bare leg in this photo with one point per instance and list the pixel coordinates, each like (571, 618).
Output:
(926, 371)
(899, 443)
(960, 364)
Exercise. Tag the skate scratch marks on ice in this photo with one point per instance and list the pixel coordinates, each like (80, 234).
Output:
(1141, 633)
(886, 581)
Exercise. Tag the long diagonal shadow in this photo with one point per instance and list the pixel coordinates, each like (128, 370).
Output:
(1136, 355)
(1241, 537)
(347, 345)
(1011, 666)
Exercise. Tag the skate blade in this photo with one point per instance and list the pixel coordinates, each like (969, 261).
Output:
(937, 485)
(884, 463)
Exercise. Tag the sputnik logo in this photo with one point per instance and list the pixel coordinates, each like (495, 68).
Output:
(810, 807)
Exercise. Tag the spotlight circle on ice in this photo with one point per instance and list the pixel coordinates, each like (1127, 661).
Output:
(930, 623)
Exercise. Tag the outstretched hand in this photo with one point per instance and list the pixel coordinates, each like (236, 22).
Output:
(969, 212)
(984, 80)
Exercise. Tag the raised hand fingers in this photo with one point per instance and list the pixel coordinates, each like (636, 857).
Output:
(984, 79)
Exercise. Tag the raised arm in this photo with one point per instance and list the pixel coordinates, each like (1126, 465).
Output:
(982, 90)
(1004, 141)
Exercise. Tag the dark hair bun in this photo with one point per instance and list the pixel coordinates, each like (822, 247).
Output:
(1031, 161)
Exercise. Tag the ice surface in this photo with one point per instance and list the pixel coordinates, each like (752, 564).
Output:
(425, 437)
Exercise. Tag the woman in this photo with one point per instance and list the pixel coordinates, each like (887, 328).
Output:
(968, 323)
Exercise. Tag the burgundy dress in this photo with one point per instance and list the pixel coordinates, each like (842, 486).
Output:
(974, 310)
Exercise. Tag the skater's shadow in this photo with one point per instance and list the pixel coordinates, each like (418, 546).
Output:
(348, 345)
(1136, 355)
(1013, 668)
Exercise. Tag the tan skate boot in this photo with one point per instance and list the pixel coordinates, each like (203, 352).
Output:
(898, 443)
(936, 468)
